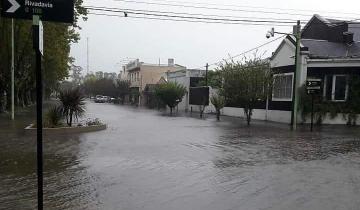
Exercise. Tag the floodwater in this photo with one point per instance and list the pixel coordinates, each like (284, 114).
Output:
(147, 160)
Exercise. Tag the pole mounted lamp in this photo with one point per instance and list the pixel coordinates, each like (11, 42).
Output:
(296, 84)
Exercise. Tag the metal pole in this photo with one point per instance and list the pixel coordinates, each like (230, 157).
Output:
(39, 103)
(12, 71)
(206, 74)
(296, 82)
(312, 112)
(87, 55)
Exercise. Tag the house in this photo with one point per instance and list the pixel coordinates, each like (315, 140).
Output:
(330, 51)
(188, 78)
(141, 74)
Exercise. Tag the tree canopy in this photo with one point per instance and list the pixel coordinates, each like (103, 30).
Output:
(56, 61)
(171, 93)
(246, 83)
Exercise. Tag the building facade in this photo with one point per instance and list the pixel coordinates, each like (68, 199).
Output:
(141, 74)
(330, 51)
(188, 78)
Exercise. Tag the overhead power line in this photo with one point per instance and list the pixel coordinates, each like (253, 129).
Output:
(189, 17)
(245, 52)
(217, 8)
(258, 7)
(199, 14)
(186, 20)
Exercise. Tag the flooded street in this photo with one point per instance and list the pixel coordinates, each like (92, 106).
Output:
(147, 160)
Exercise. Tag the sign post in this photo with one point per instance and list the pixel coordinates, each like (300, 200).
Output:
(39, 104)
(37, 10)
(313, 87)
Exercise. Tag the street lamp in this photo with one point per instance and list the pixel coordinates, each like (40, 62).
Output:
(297, 73)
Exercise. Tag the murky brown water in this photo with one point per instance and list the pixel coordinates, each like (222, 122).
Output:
(145, 160)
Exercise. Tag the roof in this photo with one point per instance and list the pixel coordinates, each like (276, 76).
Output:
(327, 41)
(326, 49)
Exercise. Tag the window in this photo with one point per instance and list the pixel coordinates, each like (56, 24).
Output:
(336, 88)
(282, 89)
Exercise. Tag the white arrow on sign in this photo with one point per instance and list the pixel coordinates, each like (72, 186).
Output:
(14, 6)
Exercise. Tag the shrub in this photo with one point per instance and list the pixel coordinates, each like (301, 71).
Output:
(219, 102)
(54, 116)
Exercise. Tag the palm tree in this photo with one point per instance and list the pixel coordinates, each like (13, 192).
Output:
(73, 101)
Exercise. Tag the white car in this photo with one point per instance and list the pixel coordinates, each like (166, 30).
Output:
(100, 99)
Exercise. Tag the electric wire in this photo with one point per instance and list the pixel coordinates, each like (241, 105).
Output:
(258, 7)
(197, 14)
(188, 17)
(186, 20)
(245, 52)
(217, 8)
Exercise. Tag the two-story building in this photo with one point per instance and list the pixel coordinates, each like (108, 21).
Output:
(142, 74)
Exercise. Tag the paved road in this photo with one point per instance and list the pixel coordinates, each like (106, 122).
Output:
(147, 160)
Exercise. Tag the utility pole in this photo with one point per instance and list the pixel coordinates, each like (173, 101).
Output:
(297, 74)
(12, 71)
(87, 55)
(206, 74)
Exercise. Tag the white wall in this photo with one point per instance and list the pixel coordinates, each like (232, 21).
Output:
(185, 81)
(285, 56)
(260, 114)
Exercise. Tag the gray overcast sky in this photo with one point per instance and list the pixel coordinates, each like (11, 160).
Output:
(112, 39)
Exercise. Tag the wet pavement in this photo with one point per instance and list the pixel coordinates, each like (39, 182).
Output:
(148, 160)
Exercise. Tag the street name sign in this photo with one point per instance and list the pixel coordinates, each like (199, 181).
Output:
(48, 10)
(313, 86)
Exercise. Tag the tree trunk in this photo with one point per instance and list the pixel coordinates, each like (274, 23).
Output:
(248, 114)
(71, 114)
(218, 115)
(171, 110)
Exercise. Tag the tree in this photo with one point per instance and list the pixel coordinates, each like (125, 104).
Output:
(103, 86)
(352, 108)
(219, 102)
(246, 83)
(214, 79)
(170, 93)
(56, 62)
(123, 89)
(76, 74)
(73, 104)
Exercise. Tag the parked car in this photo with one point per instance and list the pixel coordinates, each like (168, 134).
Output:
(100, 99)
(106, 99)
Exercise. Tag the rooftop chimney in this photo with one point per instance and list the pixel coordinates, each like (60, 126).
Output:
(171, 62)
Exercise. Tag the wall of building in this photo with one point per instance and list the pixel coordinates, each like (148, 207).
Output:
(151, 74)
(181, 78)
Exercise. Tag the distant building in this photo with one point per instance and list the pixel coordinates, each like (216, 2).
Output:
(141, 74)
(188, 78)
(111, 75)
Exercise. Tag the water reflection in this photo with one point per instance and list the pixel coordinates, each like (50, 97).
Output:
(249, 147)
(146, 160)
